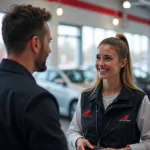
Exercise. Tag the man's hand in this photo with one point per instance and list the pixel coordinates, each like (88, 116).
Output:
(82, 143)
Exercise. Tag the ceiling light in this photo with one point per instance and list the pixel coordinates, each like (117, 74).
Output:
(59, 11)
(126, 4)
(115, 21)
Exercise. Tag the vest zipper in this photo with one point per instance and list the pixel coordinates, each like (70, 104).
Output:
(99, 141)
(99, 137)
(97, 124)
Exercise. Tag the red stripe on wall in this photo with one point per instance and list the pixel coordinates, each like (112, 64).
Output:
(101, 9)
(138, 19)
(91, 7)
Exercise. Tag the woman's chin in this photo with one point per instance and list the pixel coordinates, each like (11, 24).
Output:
(101, 77)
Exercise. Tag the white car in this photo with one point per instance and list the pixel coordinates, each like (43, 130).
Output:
(66, 85)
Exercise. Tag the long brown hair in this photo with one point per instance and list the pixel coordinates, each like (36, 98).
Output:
(122, 48)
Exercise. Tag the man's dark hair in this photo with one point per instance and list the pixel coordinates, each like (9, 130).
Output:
(21, 24)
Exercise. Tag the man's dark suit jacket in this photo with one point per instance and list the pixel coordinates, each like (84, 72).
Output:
(29, 118)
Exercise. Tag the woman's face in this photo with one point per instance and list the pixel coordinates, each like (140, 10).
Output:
(108, 64)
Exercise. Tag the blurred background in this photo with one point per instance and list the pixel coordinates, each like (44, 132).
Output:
(77, 27)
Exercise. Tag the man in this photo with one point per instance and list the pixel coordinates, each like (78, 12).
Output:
(29, 118)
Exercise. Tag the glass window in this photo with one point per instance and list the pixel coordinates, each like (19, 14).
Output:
(87, 44)
(99, 35)
(68, 30)
(41, 75)
(68, 45)
(1, 18)
(89, 75)
(144, 52)
(138, 73)
(110, 33)
(129, 38)
(131, 46)
(53, 76)
(75, 75)
(136, 48)
(91, 37)
(2, 47)
(139, 50)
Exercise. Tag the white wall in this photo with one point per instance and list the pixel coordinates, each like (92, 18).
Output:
(77, 16)
(84, 17)
(5, 4)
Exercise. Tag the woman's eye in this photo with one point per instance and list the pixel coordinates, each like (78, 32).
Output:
(108, 58)
(97, 57)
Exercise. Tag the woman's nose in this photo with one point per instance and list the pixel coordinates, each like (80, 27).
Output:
(101, 63)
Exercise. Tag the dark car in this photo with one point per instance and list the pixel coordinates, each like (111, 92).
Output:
(142, 80)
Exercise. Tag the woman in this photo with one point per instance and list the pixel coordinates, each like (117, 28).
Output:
(114, 113)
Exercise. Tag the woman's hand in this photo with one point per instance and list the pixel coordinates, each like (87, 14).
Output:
(126, 148)
(82, 143)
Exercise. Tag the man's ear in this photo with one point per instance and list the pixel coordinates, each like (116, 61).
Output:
(124, 62)
(35, 44)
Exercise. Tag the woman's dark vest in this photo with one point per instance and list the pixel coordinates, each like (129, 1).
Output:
(117, 126)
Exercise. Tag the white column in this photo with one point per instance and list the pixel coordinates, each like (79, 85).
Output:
(148, 54)
(53, 58)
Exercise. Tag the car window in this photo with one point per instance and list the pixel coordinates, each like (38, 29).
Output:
(75, 76)
(41, 75)
(54, 76)
(89, 75)
(139, 73)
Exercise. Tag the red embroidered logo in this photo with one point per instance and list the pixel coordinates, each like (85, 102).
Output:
(125, 118)
(86, 113)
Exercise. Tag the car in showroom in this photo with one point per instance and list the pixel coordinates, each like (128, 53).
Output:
(142, 79)
(66, 85)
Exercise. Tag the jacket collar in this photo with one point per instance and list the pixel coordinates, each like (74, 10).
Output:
(96, 92)
(124, 95)
(13, 66)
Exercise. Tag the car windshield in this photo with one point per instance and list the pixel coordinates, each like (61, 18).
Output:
(138, 73)
(40, 76)
(75, 75)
